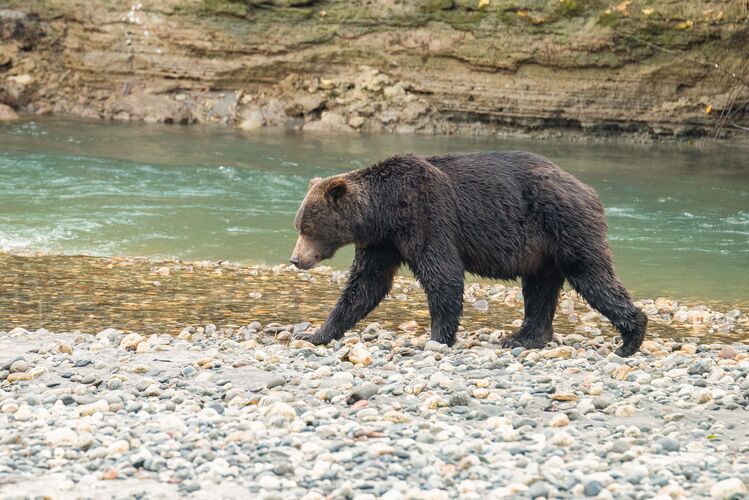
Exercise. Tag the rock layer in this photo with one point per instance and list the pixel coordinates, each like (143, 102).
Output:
(482, 67)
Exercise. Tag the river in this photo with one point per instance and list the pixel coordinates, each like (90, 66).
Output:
(678, 214)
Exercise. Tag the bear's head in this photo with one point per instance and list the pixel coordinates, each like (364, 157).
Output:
(325, 219)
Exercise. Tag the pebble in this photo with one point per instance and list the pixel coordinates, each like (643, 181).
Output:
(602, 402)
(434, 346)
(559, 420)
(669, 444)
(562, 352)
(538, 489)
(562, 439)
(364, 391)
(461, 398)
(593, 488)
(228, 412)
(118, 447)
(62, 437)
(279, 412)
(733, 488)
(276, 381)
(131, 341)
(19, 366)
(89, 409)
(625, 411)
(359, 354)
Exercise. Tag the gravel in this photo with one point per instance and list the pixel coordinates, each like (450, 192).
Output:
(238, 413)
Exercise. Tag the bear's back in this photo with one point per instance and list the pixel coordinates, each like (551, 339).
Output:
(509, 203)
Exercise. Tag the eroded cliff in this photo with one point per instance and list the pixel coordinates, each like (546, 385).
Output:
(647, 69)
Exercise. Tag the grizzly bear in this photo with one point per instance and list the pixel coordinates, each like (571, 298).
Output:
(499, 215)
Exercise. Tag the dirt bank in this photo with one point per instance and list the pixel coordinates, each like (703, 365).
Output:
(482, 67)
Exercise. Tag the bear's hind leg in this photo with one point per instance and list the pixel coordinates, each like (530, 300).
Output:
(540, 295)
(598, 284)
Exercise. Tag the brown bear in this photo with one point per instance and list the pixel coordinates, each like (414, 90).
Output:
(499, 215)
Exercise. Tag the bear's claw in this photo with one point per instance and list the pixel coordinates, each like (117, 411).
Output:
(625, 350)
(524, 341)
(309, 337)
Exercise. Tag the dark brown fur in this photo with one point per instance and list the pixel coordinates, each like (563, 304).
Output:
(501, 215)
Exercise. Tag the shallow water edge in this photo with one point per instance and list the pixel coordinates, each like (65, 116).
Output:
(67, 293)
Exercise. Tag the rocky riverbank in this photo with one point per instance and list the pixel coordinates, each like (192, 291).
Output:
(234, 411)
(240, 412)
(572, 68)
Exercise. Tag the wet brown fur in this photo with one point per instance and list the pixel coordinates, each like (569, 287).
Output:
(500, 215)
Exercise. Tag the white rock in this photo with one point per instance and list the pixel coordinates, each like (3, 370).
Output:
(702, 396)
(359, 354)
(23, 414)
(62, 437)
(562, 439)
(268, 482)
(381, 449)
(625, 411)
(729, 488)
(131, 341)
(10, 407)
(172, 425)
(559, 420)
(91, 408)
(280, 411)
(118, 447)
(434, 402)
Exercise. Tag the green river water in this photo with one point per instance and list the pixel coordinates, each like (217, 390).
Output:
(678, 214)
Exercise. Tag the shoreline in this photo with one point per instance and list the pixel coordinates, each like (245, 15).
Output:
(667, 316)
(449, 129)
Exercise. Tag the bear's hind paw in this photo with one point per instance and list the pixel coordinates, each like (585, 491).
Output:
(626, 350)
(526, 342)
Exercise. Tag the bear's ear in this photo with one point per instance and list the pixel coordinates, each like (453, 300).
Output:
(314, 181)
(336, 190)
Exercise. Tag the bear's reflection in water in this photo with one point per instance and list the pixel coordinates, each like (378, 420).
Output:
(68, 293)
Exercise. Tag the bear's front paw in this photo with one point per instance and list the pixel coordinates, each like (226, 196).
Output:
(314, 338)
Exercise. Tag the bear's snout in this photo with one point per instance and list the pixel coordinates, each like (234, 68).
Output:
(306, 253)
(304, 265)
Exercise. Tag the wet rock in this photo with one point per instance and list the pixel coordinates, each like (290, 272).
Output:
(7, 114)
(329, 122)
